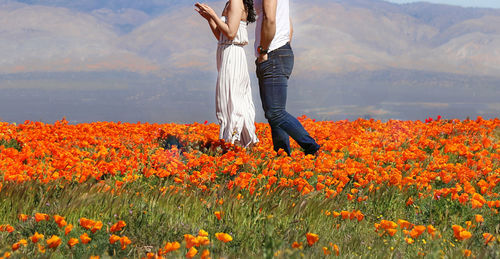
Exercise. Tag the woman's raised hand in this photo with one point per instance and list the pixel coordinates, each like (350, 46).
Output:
(206, 11)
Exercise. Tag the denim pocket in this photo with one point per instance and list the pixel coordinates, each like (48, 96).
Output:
(266, 68)
(286, 64)
(259, 63)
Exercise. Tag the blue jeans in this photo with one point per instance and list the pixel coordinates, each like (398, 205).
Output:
(273, 77)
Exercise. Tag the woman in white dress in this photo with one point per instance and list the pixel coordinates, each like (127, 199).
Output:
(235, 110)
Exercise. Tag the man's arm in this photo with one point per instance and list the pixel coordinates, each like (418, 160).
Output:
(291, 30)
(268, 25)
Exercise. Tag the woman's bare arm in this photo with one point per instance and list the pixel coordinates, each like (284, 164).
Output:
(234, 12)
(291, 30)
(215, 28)
(211, 22)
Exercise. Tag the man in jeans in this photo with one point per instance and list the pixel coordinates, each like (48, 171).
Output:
(274, 65)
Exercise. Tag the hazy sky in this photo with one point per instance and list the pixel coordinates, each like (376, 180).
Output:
(152, 60)
(467, 3)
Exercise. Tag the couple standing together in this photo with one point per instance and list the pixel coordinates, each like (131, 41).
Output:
(234, 106)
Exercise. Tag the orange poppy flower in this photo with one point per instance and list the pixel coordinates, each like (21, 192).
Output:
(41, 216)
(124, 241)
(336, 250)
(312, 238)
(86, 223)
(404, 224)
(456, 230)
(296, 245)
(468, 224)
(224, 237)
(359, 216)
(190, 241)
(169, 247)
(460, 233)
(118, 226)
(36, 237)
(68, 229)
(96, 226)
(16, 246)
(202, 233)
(202, 241)
(205, 254)
(191, 253)
(41, 248)
(391, 231)
(417, 231)
(377, 226)
(60, 221)
(85, 238)
(431, 230)
(53, 242)
(21, 242)
(409, 201)
(218, 214)
(488, 238)
(464, 235)
(387, 224)
(113, 239)
(72, 242)
(9, 228)
(23, 217)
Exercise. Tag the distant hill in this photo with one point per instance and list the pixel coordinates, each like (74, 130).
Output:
(149, 6)
(330, 36)
(370, 34)
(354, 58)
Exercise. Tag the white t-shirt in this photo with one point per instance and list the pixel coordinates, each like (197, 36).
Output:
(282, 35)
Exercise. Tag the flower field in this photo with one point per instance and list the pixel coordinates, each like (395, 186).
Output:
(400, 189)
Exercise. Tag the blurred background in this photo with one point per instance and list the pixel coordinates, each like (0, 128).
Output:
(154, 61)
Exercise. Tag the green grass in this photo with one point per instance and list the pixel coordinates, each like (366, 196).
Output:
(261, 226)
(12, 143)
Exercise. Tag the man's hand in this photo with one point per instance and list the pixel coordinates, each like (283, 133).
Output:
(262, 58)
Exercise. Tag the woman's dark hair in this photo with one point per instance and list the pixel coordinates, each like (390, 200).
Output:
(249, 8)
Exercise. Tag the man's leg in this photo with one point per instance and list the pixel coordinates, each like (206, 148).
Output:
(272, 100)
(284, 67)
(281, 140)
(273, 83)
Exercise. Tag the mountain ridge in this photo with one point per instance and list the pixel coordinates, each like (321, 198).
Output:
(354, 58)
(336, 36)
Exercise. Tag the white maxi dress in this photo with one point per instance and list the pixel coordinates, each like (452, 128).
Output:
(235, 110)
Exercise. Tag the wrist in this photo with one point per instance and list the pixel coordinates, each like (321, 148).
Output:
(262, 51)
